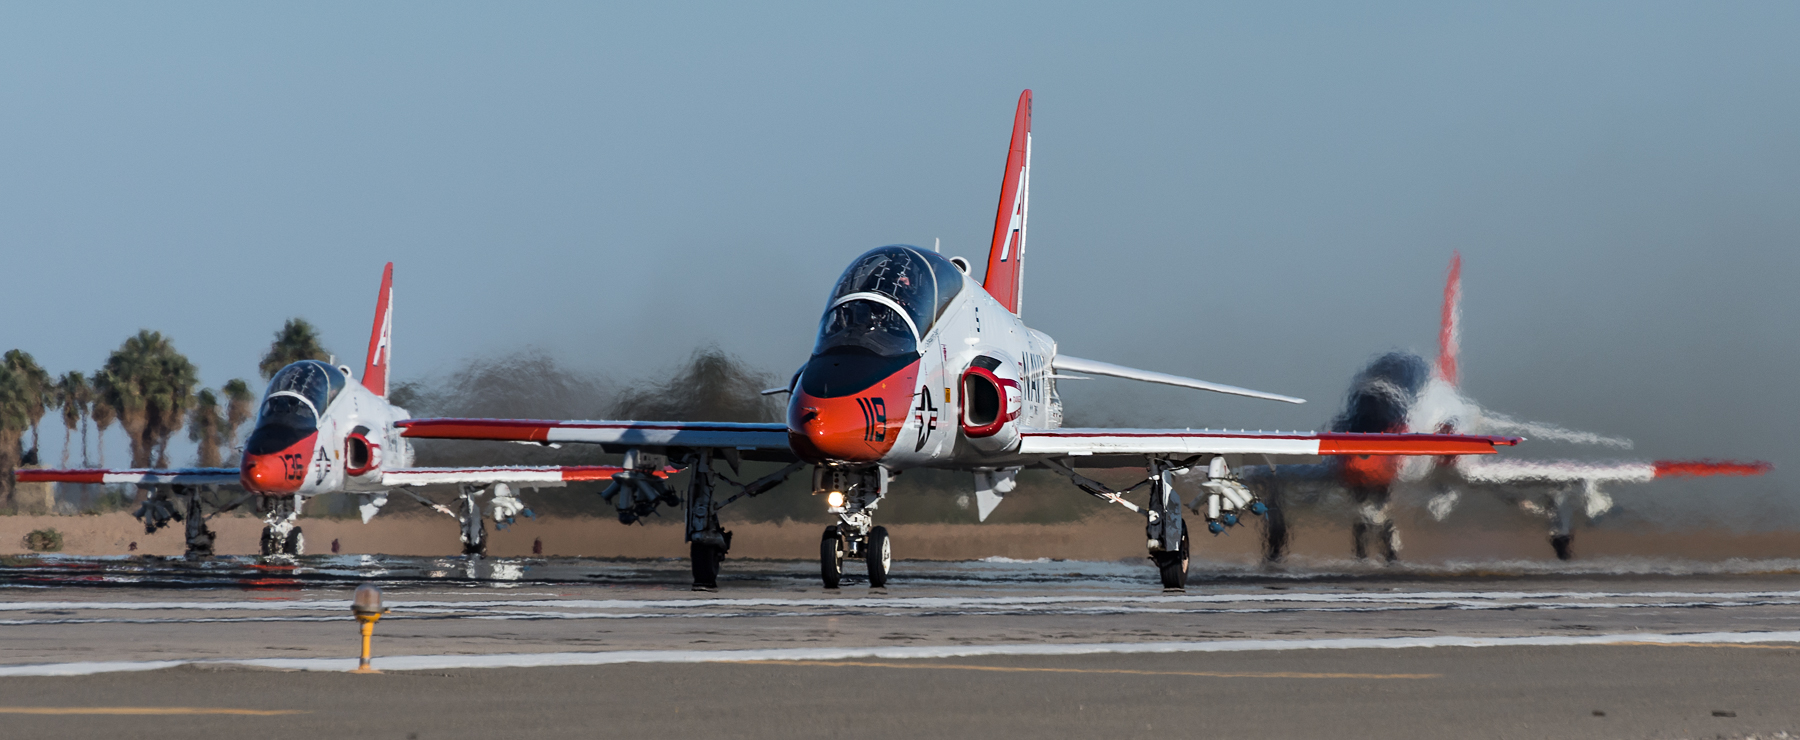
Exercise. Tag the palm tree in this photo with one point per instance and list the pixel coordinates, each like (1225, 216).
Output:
(152, 388)
(296, 341)
(102, 411)
(14, 419)
(36, 386)
(238, 404)
(73, 396)
(206, 425)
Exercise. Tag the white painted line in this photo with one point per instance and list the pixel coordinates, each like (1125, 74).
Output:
(89, 668)
(913, 602)
(541, 660)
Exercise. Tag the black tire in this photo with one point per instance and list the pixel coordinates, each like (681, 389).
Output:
(295, 544)
(269, 545)
(1560, 543)
(1275, 531)
(479, 546)
(1173, 566)
(831, 558)
(705, 560)
(879, 556)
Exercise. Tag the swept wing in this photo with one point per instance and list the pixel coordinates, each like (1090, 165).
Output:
(1094, 367)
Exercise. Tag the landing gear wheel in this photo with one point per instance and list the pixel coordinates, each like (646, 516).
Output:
(271, 545)
(831, 557)
(879, 556)
(475, 538)
(295, 543)
(706, 560)
(1173, 566)
(1561, 543)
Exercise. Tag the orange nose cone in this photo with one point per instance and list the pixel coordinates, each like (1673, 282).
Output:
(861, 427)
(278, 473)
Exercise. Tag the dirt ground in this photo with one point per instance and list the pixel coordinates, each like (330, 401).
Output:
(1111, 537)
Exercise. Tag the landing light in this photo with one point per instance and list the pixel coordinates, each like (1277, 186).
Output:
(835, 499)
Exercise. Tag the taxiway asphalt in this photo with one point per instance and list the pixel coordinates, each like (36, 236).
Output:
(1044, 649)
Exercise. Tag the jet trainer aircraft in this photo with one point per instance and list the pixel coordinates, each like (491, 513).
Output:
(321, 430)
(916, 365)
(1398, 392)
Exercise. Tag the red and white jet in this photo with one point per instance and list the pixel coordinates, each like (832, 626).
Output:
(321, 430)
(917, 365)
(1400, 391)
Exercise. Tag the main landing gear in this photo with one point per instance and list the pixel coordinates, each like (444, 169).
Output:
(1165, 530)
(1559, 509)
(637, 492)
(853, 494)
(164, 504)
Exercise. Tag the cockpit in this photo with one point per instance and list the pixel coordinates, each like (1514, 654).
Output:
(297, 395)
(884, 305)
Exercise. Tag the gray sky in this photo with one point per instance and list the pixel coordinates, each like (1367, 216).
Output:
(1260, 194)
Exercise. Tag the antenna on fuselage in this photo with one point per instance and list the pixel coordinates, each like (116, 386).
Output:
(935, 246)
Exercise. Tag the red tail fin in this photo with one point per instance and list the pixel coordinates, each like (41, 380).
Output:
(1007, 253)
(375, 372)
(1450, 332)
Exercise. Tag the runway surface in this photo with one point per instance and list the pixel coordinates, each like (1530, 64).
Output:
(568, 647)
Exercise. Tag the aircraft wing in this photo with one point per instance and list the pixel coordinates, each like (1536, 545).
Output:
(144, 476)
(764, 441)
(1083, 442)
(522, 475)
(1095, 367)
(1535, 471)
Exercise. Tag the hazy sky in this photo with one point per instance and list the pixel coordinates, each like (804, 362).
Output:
(1262, 194)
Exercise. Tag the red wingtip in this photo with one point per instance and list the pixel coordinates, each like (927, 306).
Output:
(1006, 253)
(1450, 330)
(1676, 468)
(375, 371)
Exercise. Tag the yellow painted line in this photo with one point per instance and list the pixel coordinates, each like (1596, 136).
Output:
(1018, 669)
(148, 710)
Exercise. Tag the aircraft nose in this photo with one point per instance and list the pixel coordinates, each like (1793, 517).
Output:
(857, 428)
(279, 472)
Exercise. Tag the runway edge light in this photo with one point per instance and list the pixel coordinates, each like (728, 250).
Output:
(366, 605)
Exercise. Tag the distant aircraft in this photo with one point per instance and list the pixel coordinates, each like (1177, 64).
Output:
(321, 431)
(1399, 391)
(918, 366)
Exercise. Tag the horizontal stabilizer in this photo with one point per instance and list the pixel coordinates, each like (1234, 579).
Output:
(1094, 367)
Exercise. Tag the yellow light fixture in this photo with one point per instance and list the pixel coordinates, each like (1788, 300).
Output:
(834, 499)
(366, 605)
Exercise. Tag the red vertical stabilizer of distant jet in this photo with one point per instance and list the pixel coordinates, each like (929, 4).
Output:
(1006, 256)
(375, 372)
(1450, 330)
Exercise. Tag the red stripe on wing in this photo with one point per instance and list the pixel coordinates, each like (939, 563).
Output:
(1677, 468)
(1410, 444)
(601, 472)
(31, 475)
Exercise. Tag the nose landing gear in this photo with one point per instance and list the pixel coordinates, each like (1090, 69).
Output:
(281, 535)
(853, 494)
